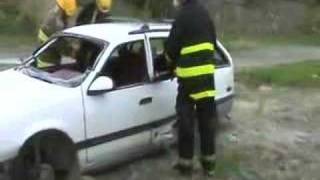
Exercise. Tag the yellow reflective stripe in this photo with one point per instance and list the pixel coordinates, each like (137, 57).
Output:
(205, 94)
(196, 48)
(42, 36)
(195, 71)
(43, 64)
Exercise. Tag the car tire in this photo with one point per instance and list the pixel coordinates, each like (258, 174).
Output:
(37, 162)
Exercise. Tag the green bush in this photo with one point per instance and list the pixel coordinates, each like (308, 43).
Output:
(13, 22)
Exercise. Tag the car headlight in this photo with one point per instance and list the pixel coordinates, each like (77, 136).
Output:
(4, 170)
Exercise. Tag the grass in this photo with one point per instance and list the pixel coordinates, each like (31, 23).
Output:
(15, 29)
(303, 74)
(234, 42)
(4, 67)
(17, 40)
(230, 166)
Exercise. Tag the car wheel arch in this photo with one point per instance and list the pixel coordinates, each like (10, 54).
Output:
(57, 137)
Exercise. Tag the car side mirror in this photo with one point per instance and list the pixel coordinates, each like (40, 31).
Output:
(101, 85)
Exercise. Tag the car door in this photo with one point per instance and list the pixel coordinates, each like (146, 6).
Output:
(164, 87)
(224, 78)
(118, 122)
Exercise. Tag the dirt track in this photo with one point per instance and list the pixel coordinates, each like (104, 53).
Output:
(260, 56)
(265, 56)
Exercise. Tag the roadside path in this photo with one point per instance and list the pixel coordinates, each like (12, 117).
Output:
(274, 55)
(242, 58)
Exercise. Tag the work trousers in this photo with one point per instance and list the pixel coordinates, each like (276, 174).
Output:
(188, 112)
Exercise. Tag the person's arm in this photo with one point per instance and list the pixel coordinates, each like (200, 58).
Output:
(213, 31)
(173, 45)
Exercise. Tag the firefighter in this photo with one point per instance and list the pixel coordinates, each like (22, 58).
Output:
(190, 48)
(58, 19)
(95, 12)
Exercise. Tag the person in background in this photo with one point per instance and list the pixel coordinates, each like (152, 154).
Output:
(190, 48)
(97, 11)
(58, 18)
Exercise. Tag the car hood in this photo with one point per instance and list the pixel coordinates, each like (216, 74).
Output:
(21, 94)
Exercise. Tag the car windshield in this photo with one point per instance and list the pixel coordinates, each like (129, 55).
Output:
(64, 60)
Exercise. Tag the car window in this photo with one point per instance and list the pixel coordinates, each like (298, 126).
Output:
(161, 65)
(63, 60)
(69, 55)
(220, 58)
(127, 64)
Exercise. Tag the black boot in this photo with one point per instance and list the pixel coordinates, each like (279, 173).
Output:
(185, 167)
(209, 166)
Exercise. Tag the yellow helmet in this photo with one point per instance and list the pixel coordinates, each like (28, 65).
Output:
(104, 5)
(68, 6)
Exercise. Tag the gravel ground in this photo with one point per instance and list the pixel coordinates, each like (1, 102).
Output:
(274, 134)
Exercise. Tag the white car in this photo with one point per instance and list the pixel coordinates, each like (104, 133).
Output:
(93, 96)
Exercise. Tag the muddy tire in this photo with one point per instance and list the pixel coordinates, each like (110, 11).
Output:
(46, 158)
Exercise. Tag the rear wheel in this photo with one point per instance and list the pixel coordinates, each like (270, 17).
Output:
(48, 157)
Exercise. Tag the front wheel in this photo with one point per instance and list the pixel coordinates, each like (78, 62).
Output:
(46, 160)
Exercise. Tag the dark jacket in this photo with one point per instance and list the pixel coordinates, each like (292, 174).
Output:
(193, 27)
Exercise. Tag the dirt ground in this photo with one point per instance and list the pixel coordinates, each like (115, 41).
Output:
(274, 134)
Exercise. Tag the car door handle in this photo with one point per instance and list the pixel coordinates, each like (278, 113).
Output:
(145, 101)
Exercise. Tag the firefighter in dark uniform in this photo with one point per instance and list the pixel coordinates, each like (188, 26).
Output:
(190, 48)
(59, 18)
(95, 12)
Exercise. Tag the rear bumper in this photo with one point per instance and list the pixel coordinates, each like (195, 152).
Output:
(224, 106)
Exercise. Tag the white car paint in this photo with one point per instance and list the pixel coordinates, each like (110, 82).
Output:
(29, 106)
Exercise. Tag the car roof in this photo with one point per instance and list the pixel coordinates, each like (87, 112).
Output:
(111, 32)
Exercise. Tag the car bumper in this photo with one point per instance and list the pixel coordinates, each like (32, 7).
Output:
(224, 106)
(8, 151)
(4, 170)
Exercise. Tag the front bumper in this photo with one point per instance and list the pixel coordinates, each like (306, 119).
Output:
(224, 106)
(4, 170)
(8, 151)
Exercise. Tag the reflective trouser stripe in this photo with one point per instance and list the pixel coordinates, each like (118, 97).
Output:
(42, 36)
(202, 95)
(43, 64)
(209, 158)
(197, 48)
(195, 71)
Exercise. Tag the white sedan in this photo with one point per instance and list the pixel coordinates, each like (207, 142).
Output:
(93, 96)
